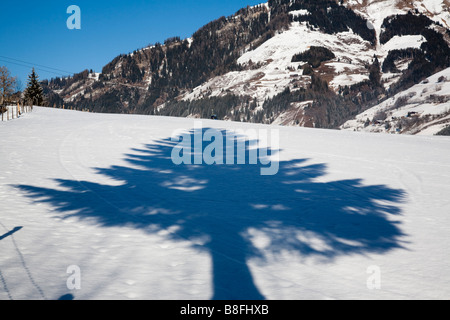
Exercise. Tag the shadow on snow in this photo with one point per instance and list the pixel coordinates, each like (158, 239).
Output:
(222, 203)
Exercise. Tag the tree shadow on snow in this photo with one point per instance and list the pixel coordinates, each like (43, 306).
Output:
(226, 204)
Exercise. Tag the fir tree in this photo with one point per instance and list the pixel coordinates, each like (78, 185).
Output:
(34, 93)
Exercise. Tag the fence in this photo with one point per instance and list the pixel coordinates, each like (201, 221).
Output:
(14, 112)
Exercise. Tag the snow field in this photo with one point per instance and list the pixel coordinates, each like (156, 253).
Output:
(67, 175)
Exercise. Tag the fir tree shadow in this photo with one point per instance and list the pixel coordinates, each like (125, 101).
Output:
(221, 204)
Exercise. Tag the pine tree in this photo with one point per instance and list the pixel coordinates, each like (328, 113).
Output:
(34, 93)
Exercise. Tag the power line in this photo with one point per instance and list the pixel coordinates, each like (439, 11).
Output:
(22, 65)
(40, 67)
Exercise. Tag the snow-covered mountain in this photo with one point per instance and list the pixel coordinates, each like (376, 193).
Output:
(253, 66)
(377, 10)
(353, 54)
(421, 109)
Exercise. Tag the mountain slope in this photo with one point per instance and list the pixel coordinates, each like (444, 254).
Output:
(421, 109)
(377, 10)
(243, 67)
(348, 216)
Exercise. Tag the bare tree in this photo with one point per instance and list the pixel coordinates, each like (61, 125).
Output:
(7, 85)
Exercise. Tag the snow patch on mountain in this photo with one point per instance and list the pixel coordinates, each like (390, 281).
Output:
(438, 10)
(403, 42)
(375, 11)
(301, 12)
(270, 68)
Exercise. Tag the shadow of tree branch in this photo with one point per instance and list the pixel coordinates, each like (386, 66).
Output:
(221, 203)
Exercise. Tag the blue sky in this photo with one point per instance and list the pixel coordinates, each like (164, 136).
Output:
(35, 33)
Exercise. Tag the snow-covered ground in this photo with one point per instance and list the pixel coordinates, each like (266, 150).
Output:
(348, 216)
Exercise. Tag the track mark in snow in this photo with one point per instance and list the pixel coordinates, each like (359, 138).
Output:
(5, 286)
(24, 265)
(411, 182)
